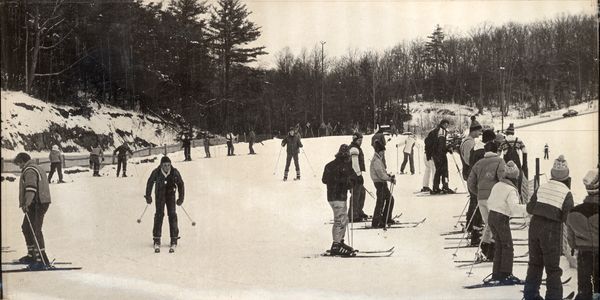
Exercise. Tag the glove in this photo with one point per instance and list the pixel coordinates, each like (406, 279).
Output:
(179, 201)
(393, 180)
(103, 159)
(148, 199)
(25, 209)
(360, 180)
(572, 252)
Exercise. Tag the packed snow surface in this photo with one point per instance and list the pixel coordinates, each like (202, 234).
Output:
(258, 237)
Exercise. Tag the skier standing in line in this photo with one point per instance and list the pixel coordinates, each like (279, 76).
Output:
(484, 175)
(251, 140)
(122, 158)
(440, 160)
(166, 180)
(34, 200)
(550, 206)
(186, 144)
(379, 138)
(466, 148)
(503, 204)
(230, 148)
(206, 142)
(385, 201)
(429, 164)
(338, 176)
(292, 140)
(55, 164)
(510, 151)
(96, 155)
(409, 145)
(357, 201)
(546, 151)
(582, 228)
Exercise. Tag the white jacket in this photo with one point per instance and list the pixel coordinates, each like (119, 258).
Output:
(408, 144)
(504, 199)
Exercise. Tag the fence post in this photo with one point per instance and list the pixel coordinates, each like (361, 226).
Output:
(64, 163)
(536, 182)
(165, 149)
(150, 150)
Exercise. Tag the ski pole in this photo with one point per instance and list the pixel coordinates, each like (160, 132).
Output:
(351, 235)
(37, 244)
(459, 173)
(389, 203)
(465, 231)
(463, 211)
(370, 194)
(308, 161)
(477, 254)
(193, 223)
(140, 219)
(397, 154)
(277, 163)
(419, 157)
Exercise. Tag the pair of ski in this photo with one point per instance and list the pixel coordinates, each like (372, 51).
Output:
(369, 219)
(363, 254)
(466, 238)
(429, 194)
(471, 262)
(171, 248)
(29, 268)
(475, 246)
(411, 224)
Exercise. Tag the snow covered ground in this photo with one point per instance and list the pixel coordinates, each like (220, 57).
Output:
(255, 232)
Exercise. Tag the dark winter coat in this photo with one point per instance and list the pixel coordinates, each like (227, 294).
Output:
(582, 224)
(54, 156)
(122, 151)
(485, 174)
(186, 143)
(431, 143)
(293, 144)
(552, 200)
(440, 148)
(361, 156)
(165, 185)
(338, 176)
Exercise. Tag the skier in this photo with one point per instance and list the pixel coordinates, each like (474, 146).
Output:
(55, 164)
(549, 205)
(583, 237)
(34, 200)
(409, 145)
(379, 138)
(292, 140)
(429, 164)
(337, 175)
(503, 204)
(357, 200)
(251, 140)
(206, 141)
(466, 148)
(385, 200)
(121, 153)
(329, 129)
(95, 156)
(484, 175)
(322, 129)
(186, 145)
(510, 150)
(440, 160)
(167, 179)
(230, 148)
(546, 151)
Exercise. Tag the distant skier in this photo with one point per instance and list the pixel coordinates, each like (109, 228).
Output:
(546, 151)
(121, 153)
(550, 206)
(230, 137)
(34, 200)
(167, 180)
(55, 164)
(440, 160)
(322, 129)
(510, 151)
(357, 201)
(385, 201)
(206, 142)
(292, 140)
(338, 175)
(96, 156)
(466, 148)
(186, 145)
(409, 145)
(251, 140)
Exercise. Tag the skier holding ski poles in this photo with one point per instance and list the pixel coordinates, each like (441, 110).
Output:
(292, 140)
(121, 153)
(380, 177)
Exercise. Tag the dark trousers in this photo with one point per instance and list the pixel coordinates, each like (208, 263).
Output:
(95, 161)
(408, 157)
(546, 155)
(384, 205)
(357, 203)
(207, 150)
(55, 167)
(587, 266)
(441, 172)
(36, 214)
(229, 148)
(545, 237)
(503, 254)
(169, 202)
(288, 160)
(121, 161)
(187, 152)
(251, 148)
(476, 221)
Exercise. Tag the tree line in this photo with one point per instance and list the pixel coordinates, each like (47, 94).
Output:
(191, 59)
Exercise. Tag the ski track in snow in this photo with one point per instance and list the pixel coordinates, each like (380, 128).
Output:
(254, 231)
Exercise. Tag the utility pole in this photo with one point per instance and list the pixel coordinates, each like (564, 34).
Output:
(502, 98)
(322, 77)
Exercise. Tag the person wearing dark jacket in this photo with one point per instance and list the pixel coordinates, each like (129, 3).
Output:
(292, 140)
(251, 140)
(357, 201)
(186, 144)
(166, 180)
(121, 153)
(440, 160)
(339, 178)
(230, 137)
(549, 207)
(34, 200)
(582, 235)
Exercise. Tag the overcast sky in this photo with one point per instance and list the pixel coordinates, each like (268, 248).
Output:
(379, 25)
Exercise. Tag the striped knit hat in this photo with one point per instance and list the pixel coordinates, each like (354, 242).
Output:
(511, 170)
(591, 181)
(560, 169)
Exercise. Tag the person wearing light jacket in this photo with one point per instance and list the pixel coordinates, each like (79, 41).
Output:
(408, 152)
(385, 200)
(55, 164)
(582, 235)
(503, 204)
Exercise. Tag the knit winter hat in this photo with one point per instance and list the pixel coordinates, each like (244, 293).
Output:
(343, 152)
(474, 125)
(500, 138)
(560, 169)
(444, 121)
(511, 129)
(357, 135)
(511, 170)
(165, 159)
(55, 147)
(591, 181)
(378, 147)
(488, 135)
(22, 158)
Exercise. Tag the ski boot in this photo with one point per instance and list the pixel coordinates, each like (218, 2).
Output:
(340, 249)
(27, 259)
(425, 189)
(173, 245)
(297, 177)
(61, 181)
(156, 245)
(285, 178)
(510, 279)
(447, 190)
(435, 191)
(124, 175)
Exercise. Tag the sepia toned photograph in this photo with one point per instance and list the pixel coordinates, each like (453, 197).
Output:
(299, 149)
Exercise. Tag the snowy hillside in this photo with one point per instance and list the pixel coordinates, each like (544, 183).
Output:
(33, 125)
(258, 237)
